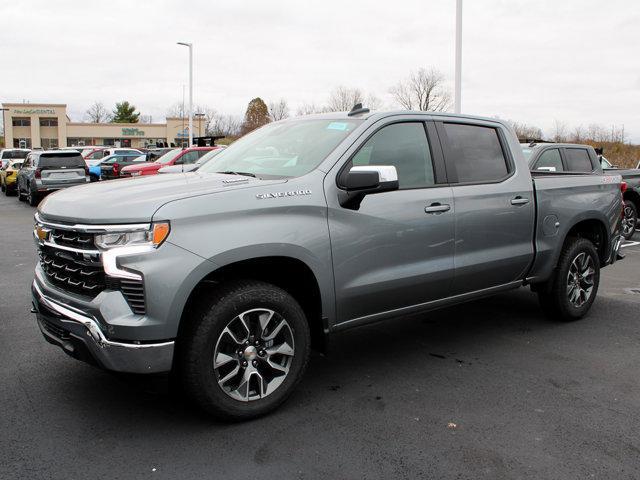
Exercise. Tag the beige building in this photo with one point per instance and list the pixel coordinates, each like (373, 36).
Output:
(40, 125)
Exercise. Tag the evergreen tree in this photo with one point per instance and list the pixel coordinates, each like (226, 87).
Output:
(125, 113)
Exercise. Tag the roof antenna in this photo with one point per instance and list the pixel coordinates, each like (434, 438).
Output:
(358, 110)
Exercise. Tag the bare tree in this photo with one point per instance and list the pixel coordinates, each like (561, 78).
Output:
(145, 119)
(279, 110)
(97, 113)
(559, 131)
(596, 133)
(226, 125)
(422, 90)
(577, 135)
(373, 102)
(525, 131)
(308, 109)
(343, 99)
(176, 110)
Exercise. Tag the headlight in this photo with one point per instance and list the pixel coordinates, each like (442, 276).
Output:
(152, 237)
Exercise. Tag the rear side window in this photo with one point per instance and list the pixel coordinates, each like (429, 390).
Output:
(550, 159)
(477, 153)
(578, 160)
(69, 160)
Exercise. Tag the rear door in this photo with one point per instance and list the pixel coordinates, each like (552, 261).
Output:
(61, 168)
(494, 206)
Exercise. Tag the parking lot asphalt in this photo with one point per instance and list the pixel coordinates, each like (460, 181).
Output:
(490, 389)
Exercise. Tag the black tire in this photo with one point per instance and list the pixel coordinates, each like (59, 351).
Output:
(20, 195)
(93, 178)
(9, 191)
(2, 187)
(32, 197)
(630, 220)
(199, 339)
(555, 296)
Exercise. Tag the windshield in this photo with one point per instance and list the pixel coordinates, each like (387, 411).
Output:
(15, 165)
(167, 157)
(283, 150)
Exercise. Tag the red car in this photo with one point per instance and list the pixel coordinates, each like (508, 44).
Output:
(178, 156)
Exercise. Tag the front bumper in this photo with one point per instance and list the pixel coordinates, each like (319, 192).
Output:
(81, 336)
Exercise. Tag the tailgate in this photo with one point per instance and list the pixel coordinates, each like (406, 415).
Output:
(62, 175)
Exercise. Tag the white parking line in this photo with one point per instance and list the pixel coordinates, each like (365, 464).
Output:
(629, 244)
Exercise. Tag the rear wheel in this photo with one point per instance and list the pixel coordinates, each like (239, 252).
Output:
(573, 288)
(2, 186)
(32, 197)
(244, 351)
(629, 220)
(20, 195)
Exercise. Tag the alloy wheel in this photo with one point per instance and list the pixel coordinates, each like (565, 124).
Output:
(580, 279)
(628, 221)
(253, 354)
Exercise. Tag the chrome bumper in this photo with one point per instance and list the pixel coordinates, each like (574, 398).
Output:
(81, 332)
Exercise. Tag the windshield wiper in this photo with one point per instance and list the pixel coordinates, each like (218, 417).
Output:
(244, 174)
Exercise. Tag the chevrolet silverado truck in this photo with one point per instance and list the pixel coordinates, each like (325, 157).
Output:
(229, 275)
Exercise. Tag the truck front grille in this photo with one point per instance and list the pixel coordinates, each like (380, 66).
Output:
(71, 272)
(67, 238)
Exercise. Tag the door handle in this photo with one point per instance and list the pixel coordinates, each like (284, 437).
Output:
(519, 200)
(437, 208)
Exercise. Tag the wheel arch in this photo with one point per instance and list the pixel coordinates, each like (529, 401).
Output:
(291, 274)
(594, 230)
(632, 196)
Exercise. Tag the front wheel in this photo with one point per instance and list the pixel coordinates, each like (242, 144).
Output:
(574, 285)
(244, 350)
(629, 220)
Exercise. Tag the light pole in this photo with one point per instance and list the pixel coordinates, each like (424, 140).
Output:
(4, 126)
(190, 45)
(458, 80)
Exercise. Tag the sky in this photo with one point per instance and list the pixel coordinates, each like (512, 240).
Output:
(574, 61)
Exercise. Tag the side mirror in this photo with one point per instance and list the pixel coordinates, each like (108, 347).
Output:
(364, 180)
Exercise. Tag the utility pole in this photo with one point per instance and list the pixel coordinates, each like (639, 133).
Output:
(190, 45)
(458, 79)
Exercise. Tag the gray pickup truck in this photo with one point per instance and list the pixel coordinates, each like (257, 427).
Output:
(229, 275)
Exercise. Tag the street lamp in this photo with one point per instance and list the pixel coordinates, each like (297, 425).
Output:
(458, 80)
(190, 45)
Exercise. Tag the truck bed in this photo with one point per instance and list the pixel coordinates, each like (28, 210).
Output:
(562, 201)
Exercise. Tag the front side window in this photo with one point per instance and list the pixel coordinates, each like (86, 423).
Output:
(404, 146)
(578, 160)
(476, 153)
(283, 150)
(550, 160)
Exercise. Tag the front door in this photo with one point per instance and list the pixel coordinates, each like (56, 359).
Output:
(494, 206)
(396, 250)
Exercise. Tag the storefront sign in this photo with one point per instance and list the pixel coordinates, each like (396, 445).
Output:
(132, 132)
(34, 111)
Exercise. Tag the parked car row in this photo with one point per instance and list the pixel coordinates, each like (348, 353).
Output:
(33, 174)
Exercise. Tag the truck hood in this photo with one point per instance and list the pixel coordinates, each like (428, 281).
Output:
(135, 200)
